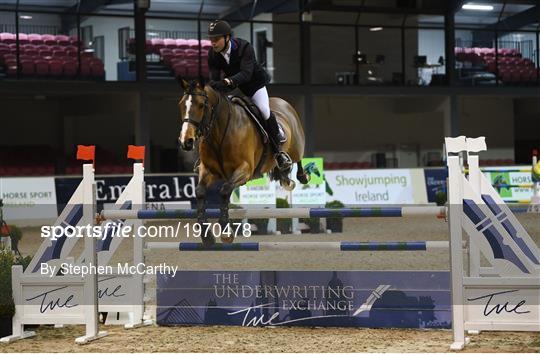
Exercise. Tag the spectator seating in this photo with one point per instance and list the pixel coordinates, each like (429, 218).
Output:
(513, 68)
(48, 56)
(181, 56)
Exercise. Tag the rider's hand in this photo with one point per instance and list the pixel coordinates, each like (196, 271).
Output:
(219, 85)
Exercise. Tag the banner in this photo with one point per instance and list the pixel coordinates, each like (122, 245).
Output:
(159, 189)
(314, 192)
(354, 187)
(259, 191)
(28, 198)
(514, 184)
(384, 299)
(435, 183)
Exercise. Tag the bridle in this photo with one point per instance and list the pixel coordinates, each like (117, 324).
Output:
(204, 126)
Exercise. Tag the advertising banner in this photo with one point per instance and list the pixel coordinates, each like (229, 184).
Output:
(399, 299)
(28, 198)
(385, 186)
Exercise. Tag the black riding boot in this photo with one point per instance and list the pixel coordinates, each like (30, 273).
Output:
(283, 160)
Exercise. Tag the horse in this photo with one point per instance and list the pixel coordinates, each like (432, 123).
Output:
(230, 147)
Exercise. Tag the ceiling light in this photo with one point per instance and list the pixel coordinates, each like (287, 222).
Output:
(25, 17)
(477, 7)
(375, 29)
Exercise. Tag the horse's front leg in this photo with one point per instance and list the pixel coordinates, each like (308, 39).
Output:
(239, 177)
(205, 180)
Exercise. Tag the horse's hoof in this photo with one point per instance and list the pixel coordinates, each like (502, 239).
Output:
(227, 238)
(288, 185)
(303, 178)
(208, 241)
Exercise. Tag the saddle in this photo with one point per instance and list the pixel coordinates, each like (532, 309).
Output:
(255, 114)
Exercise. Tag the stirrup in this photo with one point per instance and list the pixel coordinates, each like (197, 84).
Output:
(283, 160)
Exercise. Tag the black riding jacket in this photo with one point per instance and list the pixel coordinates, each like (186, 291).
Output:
(242, 69)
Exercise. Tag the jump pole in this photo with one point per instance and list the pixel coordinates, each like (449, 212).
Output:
(303, 246)
(406, 211)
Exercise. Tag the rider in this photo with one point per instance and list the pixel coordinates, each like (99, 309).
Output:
(235, 57)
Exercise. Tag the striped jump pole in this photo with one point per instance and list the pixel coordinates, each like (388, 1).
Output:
(525, 185)
(303, 246)
(406, 211)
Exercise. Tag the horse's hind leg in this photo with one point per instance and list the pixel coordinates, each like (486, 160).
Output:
(205, 180)
(239, 177)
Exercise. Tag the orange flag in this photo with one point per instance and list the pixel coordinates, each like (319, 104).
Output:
(86, 153)
(135, 152)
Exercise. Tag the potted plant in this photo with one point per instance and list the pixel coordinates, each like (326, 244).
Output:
(313, 223)
(334, 224)
(283, 225)
(7, 306)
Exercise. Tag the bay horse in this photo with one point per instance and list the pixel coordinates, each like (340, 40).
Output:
(230, 148)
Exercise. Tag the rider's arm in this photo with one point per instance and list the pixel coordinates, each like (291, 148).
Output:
(247, 65)
(215, 73)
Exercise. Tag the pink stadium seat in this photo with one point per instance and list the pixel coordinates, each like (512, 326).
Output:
(11, 67)
(45, 54)
(166, 58)
(13, 47)
(42, 67)
(73, 41)
(57, 47)
(97, 69)
(192, 70)
(169, 43)
(55, 67)
(3, 52)
(179, 69)
(59, 53)
(193, 44)
(33, 53)
(23, 38)
(48, 39)
(85, 69)
(164, 51)
(206, 43)
(182, 43)
(43, 47)
(179, 53)
(7, 38)
(157, 44)
(27, 66)
(62, 40)
(69, 68)
(87, 54)
(193, 55)
(35, 38)
(26, 47)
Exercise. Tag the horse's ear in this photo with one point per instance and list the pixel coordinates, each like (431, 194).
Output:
(183, 83)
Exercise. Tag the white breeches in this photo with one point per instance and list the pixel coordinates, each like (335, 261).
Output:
(260, 98)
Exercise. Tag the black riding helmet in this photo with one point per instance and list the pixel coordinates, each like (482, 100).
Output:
(219, 28)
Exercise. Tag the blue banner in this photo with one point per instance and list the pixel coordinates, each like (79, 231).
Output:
(170, 188)
(387, 299)
(435, 182)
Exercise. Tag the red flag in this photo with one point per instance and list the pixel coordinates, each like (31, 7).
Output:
(86, 153)
(135, 152)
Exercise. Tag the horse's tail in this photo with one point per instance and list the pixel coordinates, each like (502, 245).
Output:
(301, 175)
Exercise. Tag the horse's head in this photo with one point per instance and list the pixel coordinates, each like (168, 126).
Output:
(194, 112)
